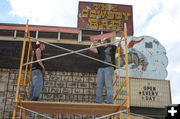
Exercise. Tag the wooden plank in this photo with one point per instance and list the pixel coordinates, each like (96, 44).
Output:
(71, 108)
(102, 36)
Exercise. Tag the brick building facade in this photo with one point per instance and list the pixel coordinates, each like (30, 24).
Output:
(58, 86)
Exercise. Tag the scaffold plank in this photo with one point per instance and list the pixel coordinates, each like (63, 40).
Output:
(102, 36)
(71, 108)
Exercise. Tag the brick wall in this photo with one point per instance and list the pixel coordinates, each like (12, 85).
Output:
(69, 86)
(58, 86)
(7, 91)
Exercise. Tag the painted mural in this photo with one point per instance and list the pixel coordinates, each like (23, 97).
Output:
(146, 58)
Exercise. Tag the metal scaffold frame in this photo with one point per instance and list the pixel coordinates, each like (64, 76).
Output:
(118, 78)
(20, 78)
(18, 104)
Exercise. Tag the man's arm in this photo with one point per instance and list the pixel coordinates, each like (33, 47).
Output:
(121, 50)
(94, 50)
(38, 56)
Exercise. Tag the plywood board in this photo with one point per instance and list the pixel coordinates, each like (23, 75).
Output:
(71, 108)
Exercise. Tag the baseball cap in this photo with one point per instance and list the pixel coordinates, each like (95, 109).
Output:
(38, 43)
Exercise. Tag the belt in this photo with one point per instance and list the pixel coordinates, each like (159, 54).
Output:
(34, 68)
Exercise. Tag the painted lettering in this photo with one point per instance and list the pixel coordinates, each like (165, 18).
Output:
(116, 24)
(107, 17)
(118, 15)
(110, 15)
(84, 13)
(93, 23)
(126, 15)
(101, 14)
(104, 24)
(92, 14)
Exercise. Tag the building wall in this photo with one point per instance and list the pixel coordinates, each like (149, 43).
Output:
(58, 86)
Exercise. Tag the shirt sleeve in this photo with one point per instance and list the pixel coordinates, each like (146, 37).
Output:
(115, 48)
(99, 49)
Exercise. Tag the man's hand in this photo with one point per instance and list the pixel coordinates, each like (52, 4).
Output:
(94, 50)
(43, 70)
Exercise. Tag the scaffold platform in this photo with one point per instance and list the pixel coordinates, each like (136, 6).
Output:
(71, 107)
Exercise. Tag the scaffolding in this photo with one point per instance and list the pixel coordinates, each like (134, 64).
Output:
(105, 110)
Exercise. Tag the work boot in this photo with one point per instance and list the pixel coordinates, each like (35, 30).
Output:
(35, 99)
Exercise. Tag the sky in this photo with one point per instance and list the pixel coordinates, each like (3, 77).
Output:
(157, 18)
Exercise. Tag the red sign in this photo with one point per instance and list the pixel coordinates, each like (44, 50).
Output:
(93, 15)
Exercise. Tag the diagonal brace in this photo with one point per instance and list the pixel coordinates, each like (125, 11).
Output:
(71, 52)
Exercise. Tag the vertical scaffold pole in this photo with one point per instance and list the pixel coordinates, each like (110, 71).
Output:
(27, 66)
(119, 78)
(127, 79)
(20, 72)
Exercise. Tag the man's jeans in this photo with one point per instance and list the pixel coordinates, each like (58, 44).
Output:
(36, 84)
(104, 76)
